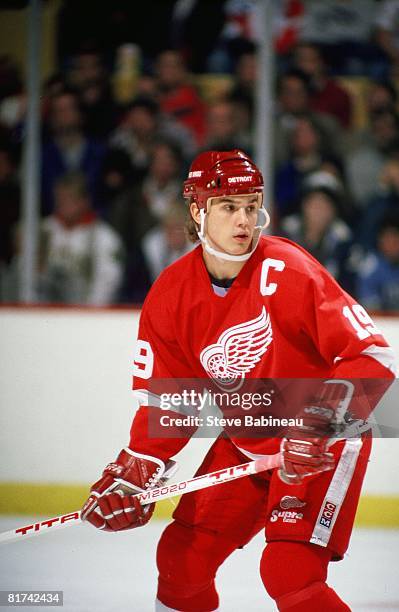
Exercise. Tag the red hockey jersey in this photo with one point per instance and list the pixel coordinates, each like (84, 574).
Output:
(283, 317)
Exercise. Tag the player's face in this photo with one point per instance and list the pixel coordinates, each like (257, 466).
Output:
(231, 222)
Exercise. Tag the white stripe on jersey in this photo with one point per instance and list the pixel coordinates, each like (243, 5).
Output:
(337, 490)
(384, 355)
(146, 398)
(250, 455)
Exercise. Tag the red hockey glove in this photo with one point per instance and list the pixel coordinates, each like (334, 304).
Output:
(112, 505)
(304, 449)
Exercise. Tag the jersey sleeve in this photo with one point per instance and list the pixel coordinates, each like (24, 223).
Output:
(343, 332)
(347, 338)
(158, 359)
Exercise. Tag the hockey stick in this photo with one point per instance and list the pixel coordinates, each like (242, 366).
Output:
(178, 488)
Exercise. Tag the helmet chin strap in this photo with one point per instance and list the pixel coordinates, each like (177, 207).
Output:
(226, 256)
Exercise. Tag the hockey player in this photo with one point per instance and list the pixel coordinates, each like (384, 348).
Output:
(244, 306)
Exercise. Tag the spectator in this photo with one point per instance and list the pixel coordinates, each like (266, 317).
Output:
(364, 164)
(146, 87)
(89, 78)
(228, 127)
(86, 66)
(145, 204)
(177, 96)
(381, 96)
(331, 176)
(166, 241)
(378, 279)
(384, 201)
(68, 149)
(320, 229)
(136, 134)
(9, 214)
(53, 86)
(141, 126)
(307, 153)
(12, 94)
(387, 33)
(142, 207)
(245, 77)
(116, 178)
(327, 96)
(293, 99)
(80, 256)
(160, 186)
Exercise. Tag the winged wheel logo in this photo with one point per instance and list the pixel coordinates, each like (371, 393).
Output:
(237, 351)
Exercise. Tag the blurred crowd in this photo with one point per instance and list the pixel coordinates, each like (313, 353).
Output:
(134, 100)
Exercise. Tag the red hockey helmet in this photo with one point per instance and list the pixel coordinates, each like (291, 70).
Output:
(218, 173)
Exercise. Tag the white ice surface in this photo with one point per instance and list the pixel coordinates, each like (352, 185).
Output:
(116, 572)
